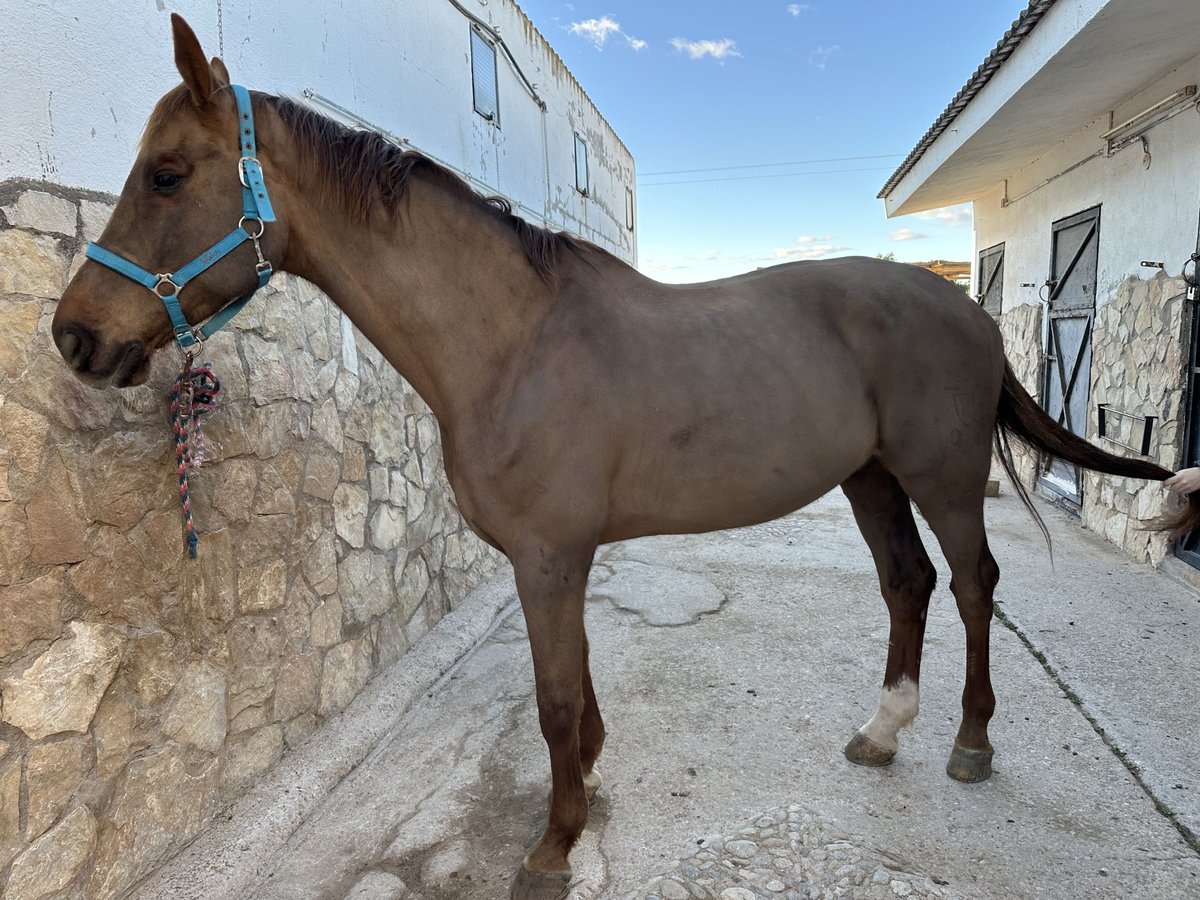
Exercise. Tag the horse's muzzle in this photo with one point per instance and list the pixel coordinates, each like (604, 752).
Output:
(121, 366)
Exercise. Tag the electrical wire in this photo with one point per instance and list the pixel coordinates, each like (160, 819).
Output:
(756, 177)
(797, 162)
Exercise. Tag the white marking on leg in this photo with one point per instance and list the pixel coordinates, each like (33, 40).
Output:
(592, 782)
(897, 709)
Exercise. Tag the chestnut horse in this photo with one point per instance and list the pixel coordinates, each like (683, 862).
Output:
(581, 402)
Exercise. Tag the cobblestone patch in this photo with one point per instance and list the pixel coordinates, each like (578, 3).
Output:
(789, 854)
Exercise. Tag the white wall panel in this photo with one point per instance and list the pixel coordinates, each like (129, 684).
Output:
(82, 76)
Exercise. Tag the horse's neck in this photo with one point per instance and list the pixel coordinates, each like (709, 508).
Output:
(442, 290)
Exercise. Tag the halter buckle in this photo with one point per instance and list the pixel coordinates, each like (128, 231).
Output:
(242, 176)
(166, 280)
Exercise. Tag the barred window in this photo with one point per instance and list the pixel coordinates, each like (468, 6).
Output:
(483, 76)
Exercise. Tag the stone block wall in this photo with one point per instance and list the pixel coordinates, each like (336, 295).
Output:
(1021, 327)
(1139, 354)
(141, 691)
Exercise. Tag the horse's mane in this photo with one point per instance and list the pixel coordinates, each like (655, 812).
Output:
(360, 168)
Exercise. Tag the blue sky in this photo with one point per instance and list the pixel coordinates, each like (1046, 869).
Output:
(719, 85)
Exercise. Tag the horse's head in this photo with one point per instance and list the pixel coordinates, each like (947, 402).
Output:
(182, 196)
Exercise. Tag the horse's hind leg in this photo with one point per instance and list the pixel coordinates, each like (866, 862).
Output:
(906, 580)
(591, 731)
(955, 513)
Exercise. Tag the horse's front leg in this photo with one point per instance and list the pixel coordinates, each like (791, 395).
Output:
(550, 583)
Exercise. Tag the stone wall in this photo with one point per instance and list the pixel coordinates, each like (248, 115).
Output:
(142, 691)
(1139, 348)
(1021, 327)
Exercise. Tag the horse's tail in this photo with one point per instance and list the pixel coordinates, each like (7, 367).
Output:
(1020, 416)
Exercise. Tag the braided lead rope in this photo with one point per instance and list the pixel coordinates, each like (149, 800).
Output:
(194, 395)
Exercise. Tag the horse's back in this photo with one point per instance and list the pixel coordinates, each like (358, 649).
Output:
(692, 408)
(870, 322)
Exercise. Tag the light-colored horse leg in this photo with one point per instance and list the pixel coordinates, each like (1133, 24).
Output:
(550, 584)
(591, 732)
(906, 579)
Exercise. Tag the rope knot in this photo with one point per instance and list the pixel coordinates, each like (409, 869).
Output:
(195, 394)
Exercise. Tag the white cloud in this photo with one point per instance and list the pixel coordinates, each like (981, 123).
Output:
(796, 8)
(652, 266)
(598, 31)
(820, 56)
(721, 263)
(907, 234)
(956, 216)
(700, 49)
(806, 247)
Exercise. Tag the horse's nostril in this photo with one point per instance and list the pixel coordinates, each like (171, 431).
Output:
(76, 345)
(135, 353)
(69, 346)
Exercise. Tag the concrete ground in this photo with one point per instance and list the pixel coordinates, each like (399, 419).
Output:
(731, 669)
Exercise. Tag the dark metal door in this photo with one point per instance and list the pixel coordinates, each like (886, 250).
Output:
(990, 281)
(1074, 254)
(1188, 547)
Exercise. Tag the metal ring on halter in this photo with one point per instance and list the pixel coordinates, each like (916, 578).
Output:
(165, 279)
(191, 352)
(262, 227)
(242, 168)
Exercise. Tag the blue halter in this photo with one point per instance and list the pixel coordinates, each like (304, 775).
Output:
(256, 210)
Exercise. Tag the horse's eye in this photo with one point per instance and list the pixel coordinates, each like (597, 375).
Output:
(166, 181)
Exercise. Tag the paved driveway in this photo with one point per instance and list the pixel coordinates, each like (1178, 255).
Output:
(731, 669)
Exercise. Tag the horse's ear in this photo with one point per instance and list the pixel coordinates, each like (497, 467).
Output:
(220, 74)
(189, 59)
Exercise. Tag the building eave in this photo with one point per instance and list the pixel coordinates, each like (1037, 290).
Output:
(1079, 69)
(1021, 27)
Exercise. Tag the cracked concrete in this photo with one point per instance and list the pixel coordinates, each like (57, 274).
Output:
(659, 596)
(740, 702)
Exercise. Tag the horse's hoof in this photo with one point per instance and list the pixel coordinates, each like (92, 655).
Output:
(969, 766)
(862, 751)
(592, 783)
(540, 885)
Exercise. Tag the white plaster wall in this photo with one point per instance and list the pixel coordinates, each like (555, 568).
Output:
(1146, 214)
(84, 74)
